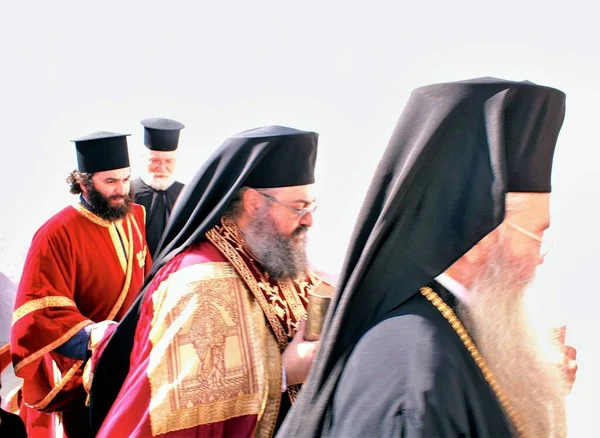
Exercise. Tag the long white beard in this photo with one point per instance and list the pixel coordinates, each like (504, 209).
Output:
(521, 358)
(158, 183)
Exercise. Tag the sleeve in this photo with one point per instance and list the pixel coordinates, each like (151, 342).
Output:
(77, 346)
(45, 315)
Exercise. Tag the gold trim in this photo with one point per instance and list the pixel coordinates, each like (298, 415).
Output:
(140, 255)
(86, 378)
(52, 346)
(137, 230)
(123, 235)
(39, 304)
(234, 258)
(128, 274)
(58, 386)
(293, 299)
(287, 303)
(91, 216)
(12, 399)
(113, 228)
(4, 349)
(207, 361)
(269, 410)
(117, 306)
(467, 341)
(127, 270)
(114, 236)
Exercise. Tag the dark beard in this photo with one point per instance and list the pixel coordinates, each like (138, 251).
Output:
(100, 205)
(280, 257)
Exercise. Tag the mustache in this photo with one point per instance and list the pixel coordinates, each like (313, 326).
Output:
(302, 229)
(115, 197)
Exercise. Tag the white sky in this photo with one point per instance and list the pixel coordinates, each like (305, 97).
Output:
(341, 68)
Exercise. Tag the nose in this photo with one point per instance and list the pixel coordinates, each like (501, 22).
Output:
(121, 188)
(307, 219)
(540, 260)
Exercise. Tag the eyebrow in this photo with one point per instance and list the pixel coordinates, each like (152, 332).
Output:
(304, 201)
(116, 179)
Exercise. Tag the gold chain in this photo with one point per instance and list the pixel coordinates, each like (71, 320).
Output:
(464, 336)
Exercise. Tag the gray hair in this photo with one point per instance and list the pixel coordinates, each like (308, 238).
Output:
(236, 205)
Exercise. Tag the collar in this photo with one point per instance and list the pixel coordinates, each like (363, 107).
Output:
(454, 286)
(83, 201)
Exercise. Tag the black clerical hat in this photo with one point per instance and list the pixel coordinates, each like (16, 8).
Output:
(161, 134)
(273, 156)
(457, 150)
(101, 151)
(267, 157)
(290, 162)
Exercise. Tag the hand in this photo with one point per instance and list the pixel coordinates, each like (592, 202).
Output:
(569, 363)
(298, 357)
(99, 333)
(570, 366)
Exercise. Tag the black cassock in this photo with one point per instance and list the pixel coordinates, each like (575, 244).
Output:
(158, 205)
(412, 376)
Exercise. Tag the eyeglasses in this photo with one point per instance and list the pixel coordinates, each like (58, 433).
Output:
(300, 212)
(545, 244)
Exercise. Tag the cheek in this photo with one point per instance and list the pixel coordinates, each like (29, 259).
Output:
(525, 260)
(105, 190)
(284, 226)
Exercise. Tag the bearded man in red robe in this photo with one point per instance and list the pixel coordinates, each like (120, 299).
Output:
(83, 271)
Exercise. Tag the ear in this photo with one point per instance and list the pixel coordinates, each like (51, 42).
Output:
(84, 189)
(252, 200)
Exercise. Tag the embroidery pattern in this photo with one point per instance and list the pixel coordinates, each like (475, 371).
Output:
(283, 303)
(205, 362)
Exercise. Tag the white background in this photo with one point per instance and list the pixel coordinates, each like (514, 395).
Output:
(341, 68)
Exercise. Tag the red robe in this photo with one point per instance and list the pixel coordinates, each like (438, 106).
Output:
(206, 360)
(79, 270)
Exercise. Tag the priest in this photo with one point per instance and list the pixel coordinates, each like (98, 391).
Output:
(429, 335)
(84, 269)
(157, 189)
(215, 346)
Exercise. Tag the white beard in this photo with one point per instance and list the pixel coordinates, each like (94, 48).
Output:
(520, 357)
(158, 183)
